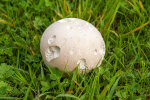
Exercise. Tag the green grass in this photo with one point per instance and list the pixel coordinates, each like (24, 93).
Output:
(125, 70)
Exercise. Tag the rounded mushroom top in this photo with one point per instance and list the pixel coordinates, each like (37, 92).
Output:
(70, 42)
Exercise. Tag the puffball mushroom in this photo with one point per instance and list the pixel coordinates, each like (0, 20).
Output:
(70, 43)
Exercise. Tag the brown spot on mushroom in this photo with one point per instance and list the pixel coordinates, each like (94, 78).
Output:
(52, 52)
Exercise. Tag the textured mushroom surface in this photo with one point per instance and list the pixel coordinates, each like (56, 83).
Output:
(72, 42)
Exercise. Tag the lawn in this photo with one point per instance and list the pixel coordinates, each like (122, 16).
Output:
(123, 75)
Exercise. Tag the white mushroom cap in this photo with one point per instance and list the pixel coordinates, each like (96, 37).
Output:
(70, 42)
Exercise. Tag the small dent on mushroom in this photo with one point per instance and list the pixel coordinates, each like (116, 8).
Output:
(103, 46)
(95, 52)
(51, 39)
(52, 52)
(82, 63)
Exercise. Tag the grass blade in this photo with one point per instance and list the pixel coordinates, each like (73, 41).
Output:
(60, 15)
(103, 93)
(136, 29)
(67, 96)
(10, 98)
(27, 93)
(113, 89)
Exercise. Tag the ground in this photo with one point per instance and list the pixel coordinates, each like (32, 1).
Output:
(123, 75)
